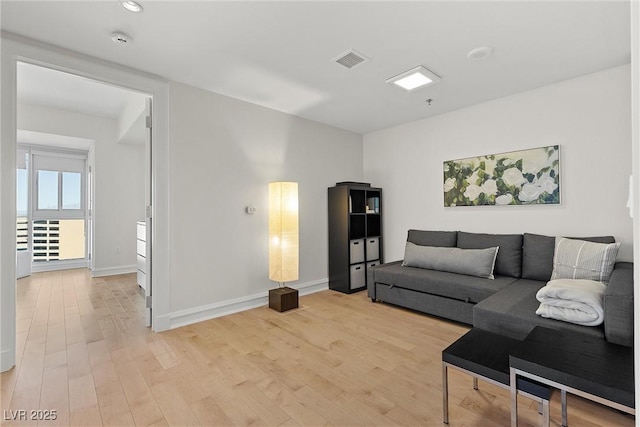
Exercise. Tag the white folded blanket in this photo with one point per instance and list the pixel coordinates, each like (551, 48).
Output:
(573, 300)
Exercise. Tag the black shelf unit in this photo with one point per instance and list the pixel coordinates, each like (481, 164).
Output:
(355, 235)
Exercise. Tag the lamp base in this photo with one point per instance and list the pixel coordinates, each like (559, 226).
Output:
(283, 299)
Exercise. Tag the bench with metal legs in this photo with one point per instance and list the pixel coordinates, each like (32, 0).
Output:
(485, 355)
(586, 366)
(543, 400)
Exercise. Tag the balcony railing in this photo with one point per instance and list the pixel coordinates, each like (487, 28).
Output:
(53, 239)
(22, 233)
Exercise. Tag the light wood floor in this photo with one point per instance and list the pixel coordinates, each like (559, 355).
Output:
(337, 360)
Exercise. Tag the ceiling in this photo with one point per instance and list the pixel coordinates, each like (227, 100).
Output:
(280, 54)
(51, 88)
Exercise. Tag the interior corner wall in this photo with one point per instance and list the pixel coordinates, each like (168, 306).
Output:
(588, 117)
(224, 152)
(119, 181)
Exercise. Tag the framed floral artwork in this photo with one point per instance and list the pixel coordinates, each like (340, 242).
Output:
(527, 177)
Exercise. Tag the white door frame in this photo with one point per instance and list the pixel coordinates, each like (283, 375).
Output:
(15, 49)
(635, 187)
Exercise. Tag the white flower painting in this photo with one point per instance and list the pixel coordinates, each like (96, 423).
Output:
(528, 177)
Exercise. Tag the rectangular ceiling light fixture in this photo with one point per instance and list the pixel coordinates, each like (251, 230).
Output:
(415, 78)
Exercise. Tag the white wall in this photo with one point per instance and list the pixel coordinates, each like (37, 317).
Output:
(131, 125)
(224, 152)
(589, 117)
(119, 181)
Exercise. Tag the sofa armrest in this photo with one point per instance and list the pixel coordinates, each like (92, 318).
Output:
(371, 285)
(618, 305)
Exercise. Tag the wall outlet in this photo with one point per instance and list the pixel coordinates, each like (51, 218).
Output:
(117, 249)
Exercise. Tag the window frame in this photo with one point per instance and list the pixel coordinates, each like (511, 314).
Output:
(23, 157)
(59, 161)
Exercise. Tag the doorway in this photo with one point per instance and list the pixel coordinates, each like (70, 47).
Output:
(68, 207)
(20, 51)
(52, 205)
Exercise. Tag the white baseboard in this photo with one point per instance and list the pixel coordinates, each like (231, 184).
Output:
(7, 360)
(161, 323)
(223, 308)
(113, 271)
(39, 267)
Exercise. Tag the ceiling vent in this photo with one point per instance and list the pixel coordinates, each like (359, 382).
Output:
(350, 59)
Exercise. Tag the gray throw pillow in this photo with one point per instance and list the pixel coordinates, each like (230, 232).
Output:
(579, 259)
(538, 251)
(433, 238)
(509, 261)
(472, 262)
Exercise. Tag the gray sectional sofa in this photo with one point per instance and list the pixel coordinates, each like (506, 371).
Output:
(507, 303)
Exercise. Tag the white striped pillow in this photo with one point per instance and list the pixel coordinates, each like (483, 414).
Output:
(579, 259)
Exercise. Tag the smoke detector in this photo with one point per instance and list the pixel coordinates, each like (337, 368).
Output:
(132, 6)
(350, 59)
(480, 53)
(120, 38)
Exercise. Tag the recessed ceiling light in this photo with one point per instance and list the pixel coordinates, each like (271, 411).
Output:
(480, 53)
(415, 78)
(131, 6)
(120, 38)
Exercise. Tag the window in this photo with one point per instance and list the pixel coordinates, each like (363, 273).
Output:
(47, 190)
(58, 218)
(51, 189)
(59, 185)
(71, 190)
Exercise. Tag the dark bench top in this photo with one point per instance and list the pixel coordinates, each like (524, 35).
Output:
(589, 364)
(487, 355)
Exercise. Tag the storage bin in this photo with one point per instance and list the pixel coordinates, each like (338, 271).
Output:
(370, 271)
(373, 248)
(356, 251)
(358, 276)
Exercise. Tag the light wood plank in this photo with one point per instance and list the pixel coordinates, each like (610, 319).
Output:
(53, 397)
(143, 405)
(176, 411)
(82, 392)
(209, 413)
(114, 408)
(78, 360)
(86, 416)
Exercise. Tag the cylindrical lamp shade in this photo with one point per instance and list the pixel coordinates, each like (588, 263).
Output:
(283, 231)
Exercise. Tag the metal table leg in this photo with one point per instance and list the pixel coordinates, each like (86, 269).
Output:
(514, 397)
(563, 400)
(445, 394)
(545, 413)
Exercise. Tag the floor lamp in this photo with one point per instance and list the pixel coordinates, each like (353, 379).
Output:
(283, 244)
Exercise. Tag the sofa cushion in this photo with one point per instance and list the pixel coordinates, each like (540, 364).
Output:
(618, 305)
(512, 312)
(537, 254)
(509, 260)
(441, 283)
(472, 262)
(433, 238)
(579, 259)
